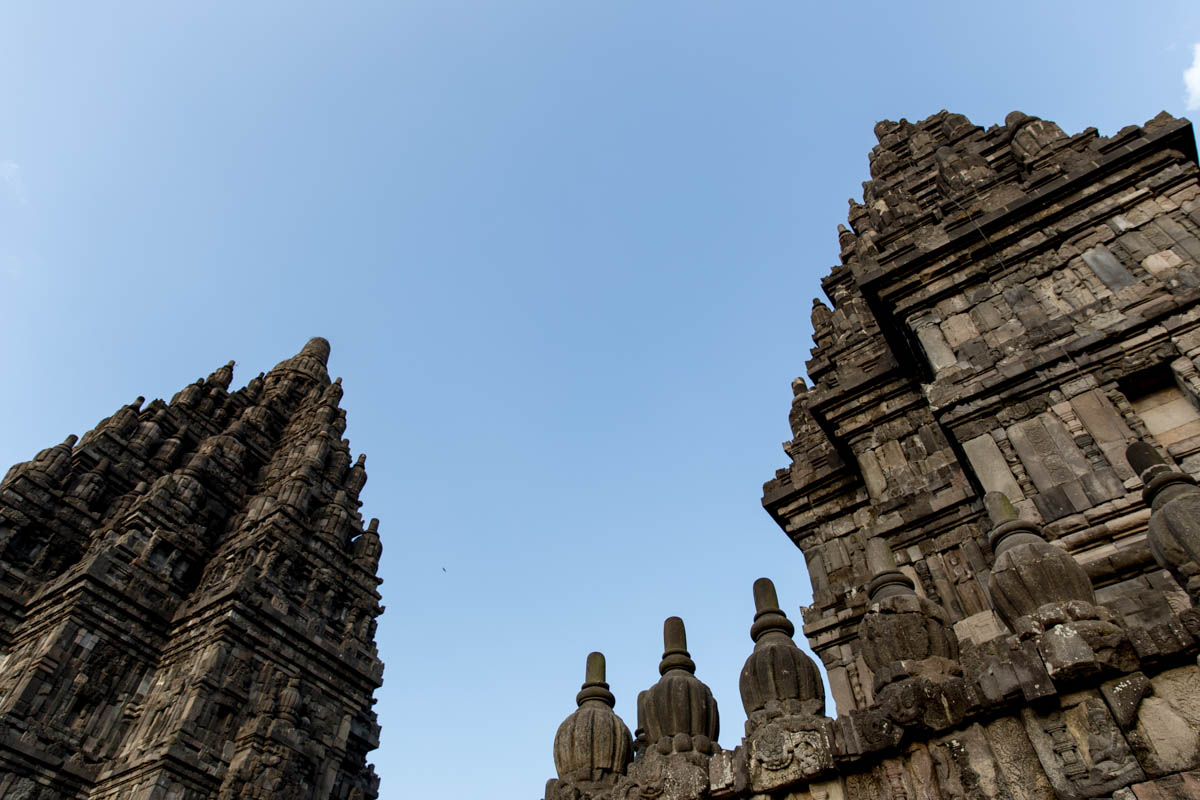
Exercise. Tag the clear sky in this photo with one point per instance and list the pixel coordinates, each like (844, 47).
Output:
(565, 253)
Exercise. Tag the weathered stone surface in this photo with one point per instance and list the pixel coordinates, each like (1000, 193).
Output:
(1017, 761)
(677, 715)
(939, 370)
(1081, 748)
(593, 746)
(188, 600)
(1035, 585)
(991, 467)
(1176, 787)
(789, 751)
(1014, 306)
(1108, 268)
(911, 649)
(1166, 737)
(1124, 697)
(1174, 499)
(778, 678)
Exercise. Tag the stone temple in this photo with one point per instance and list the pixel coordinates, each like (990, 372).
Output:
(993, 483)
(188, 599)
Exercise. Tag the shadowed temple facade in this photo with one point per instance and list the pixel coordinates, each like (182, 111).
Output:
(188, 599)
(993, 484)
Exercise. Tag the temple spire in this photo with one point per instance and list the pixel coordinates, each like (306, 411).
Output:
(318, 348)
(307, 365)
(222, 376)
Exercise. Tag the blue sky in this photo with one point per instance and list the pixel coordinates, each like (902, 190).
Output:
(565, 254)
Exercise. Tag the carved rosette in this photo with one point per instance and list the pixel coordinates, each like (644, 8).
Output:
(593, 745)
(1174, 530)
(778, 678)
(679, 712)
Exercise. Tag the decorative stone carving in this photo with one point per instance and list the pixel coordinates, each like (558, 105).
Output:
(778, 678)
(593, 746)
(679, 710)
(787, 737)
(677, 729)
(1081, 748)
(134, 569)
(1029, 572)
(910, 646)
(903, 634)
(1031, 138)
(961, 172)
(1003, 313)
(1040, 591)
(1174, 531)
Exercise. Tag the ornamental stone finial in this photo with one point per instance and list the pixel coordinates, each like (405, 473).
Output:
(593, 745)
(778, 679)
(318, 348)
(768, 617)
(675, 653)
(1044, 595)
(255, 386)
(301, 369)
(886, 580)
(594, 686)
(902, 634)
(1174, 530)
(679, 711)
(54, 463)
(1030, 573)
(788, 738)
(333, 393)
(356, 477)
(1031, 138)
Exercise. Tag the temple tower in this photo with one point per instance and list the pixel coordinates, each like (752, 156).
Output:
(993, 483)
(188, 599)
(1013, 307)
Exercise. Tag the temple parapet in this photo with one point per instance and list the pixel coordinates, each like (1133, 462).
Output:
(1070, 704)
